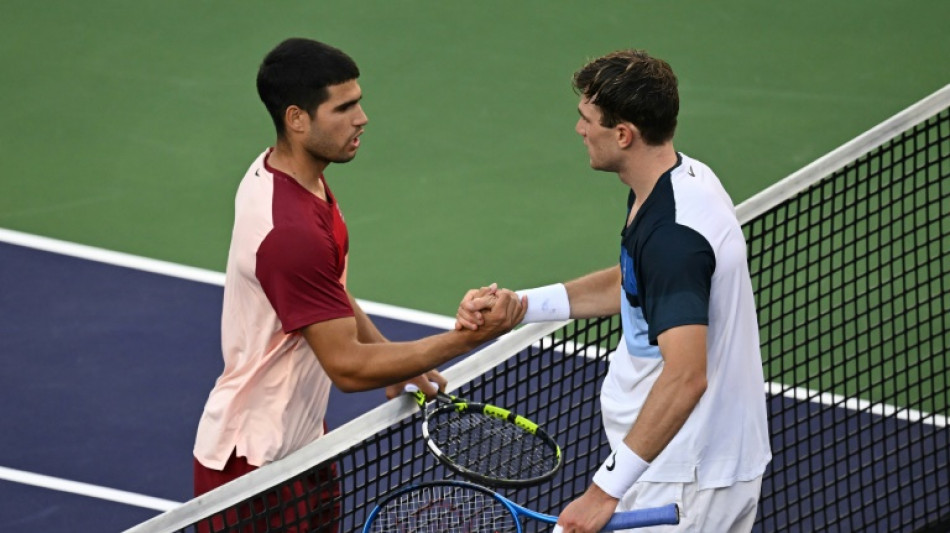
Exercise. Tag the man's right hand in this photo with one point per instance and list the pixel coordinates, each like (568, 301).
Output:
(469, 314)
(490, 312)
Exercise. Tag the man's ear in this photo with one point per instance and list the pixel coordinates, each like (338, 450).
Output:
(626, 133)
(295, 119)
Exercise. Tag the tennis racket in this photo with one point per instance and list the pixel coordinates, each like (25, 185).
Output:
(486, 443)
(460, 507)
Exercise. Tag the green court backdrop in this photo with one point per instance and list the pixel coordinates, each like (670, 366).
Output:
(127, 125)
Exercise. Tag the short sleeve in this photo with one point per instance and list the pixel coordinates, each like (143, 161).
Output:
(677, 265)
(301, 276)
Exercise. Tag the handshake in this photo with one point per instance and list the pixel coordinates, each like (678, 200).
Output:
(490, 311)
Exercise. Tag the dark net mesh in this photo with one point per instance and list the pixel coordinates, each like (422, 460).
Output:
(852, 280)
(541, 381)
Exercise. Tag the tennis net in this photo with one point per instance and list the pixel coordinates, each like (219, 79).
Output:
(850, 261)
(344, 473)
(849, 258)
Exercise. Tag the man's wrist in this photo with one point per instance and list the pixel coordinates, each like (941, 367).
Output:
(546, 303)
(620, 471)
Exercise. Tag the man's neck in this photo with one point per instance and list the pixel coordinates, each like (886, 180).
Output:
(645, 168)
(299, 165)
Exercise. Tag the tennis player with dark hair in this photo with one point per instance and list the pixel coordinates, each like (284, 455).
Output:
(683, 401)
(290, 327)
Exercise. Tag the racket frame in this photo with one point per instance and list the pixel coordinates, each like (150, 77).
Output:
(665, 515)
(455, 404)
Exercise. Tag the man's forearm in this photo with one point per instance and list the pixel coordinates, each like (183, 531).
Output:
(596, 294)
(366, 330)
(676, 392)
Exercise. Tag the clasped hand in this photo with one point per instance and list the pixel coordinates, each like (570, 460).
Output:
(484, 314)
(490, 308)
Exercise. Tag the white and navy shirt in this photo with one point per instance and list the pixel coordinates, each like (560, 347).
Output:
(683, 261)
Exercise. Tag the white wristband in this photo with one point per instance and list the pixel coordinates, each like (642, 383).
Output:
(620, 471)
(547, 303)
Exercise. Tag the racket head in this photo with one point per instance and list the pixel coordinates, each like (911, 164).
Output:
(491, 445)
(443, 507)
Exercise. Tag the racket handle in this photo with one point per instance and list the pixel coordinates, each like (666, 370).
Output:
(656, 516)
(413, 390)
(420, 398)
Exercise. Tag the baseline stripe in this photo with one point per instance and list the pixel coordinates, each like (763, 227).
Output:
(855, 404)
(86, 489)
(113, 258)
(196, 274)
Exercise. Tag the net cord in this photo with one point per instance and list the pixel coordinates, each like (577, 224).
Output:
(343, 437)
(842, 156)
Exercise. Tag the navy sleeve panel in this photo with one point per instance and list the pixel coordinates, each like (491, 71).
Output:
(676, 270)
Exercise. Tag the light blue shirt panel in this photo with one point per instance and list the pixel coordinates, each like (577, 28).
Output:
(636, 331)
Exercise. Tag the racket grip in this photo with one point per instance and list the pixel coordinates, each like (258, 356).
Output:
(420, 397)
(416, 394)
(655, 516)
(412, 388)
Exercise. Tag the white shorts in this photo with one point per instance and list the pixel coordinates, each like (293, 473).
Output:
(723, 510)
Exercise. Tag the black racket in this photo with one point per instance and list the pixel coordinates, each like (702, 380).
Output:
(486, 443)
(459, 507)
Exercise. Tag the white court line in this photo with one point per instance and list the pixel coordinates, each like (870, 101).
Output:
(856, 404)
(196, 274)
(373, 308)
(86, 489)
(113, 258)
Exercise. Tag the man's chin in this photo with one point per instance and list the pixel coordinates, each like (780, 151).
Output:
(343, 159)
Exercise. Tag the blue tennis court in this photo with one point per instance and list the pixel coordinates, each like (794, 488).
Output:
(106, 369)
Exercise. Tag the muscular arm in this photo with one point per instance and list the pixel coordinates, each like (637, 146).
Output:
(367, 332)
(351, 354)
(676, 392)
(596, 294)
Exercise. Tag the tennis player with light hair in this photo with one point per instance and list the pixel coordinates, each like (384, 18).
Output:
(683, 400)
(290, 328)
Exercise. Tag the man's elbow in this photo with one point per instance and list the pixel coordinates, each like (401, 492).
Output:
(349, 379)
(348, 385)
(346, 372)
(689, 383)
(695, 386)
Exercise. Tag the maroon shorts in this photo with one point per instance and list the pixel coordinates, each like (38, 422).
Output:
(310, 502)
